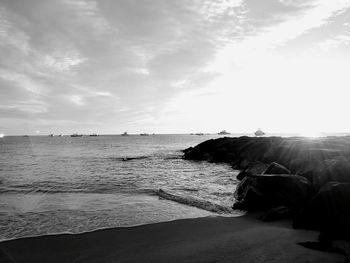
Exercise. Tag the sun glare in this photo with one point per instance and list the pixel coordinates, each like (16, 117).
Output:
(311, 134)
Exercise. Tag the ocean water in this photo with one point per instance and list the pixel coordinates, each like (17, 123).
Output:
(63, 184)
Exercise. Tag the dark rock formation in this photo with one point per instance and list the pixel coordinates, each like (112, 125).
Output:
(319, 160)
(275, 168)
(305, 179)
(337, 169)
(219, 150)
(253, 167)
(262, 192)
(257, 167)
(328, 210)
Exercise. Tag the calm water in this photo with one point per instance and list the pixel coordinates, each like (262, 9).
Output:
(64, 184)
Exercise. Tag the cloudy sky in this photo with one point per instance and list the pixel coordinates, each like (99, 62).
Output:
(169, 66)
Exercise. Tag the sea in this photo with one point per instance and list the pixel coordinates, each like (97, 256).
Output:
(63, 184)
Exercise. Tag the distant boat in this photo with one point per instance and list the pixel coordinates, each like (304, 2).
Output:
(199, 133)
(224, 132)
(259, 133)
(94, 135)
(25, 135)
(144, 134)
(51, 135)
(125, 134)
(76, 135)
(59, 135)
(2, 135)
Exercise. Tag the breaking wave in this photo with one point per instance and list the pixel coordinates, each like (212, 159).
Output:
(196, 202)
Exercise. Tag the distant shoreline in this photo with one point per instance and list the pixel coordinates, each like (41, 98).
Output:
(250, 134)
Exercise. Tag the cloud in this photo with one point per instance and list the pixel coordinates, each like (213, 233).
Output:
(61, 62)
(103, 93)
(23, 109)
(276, 33)
(102, 62)
(89, 13)
(10, 35)
(76, 99)
(21, 81)
(334, 42)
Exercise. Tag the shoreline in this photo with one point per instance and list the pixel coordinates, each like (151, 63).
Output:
(106, 228)
(206, 239)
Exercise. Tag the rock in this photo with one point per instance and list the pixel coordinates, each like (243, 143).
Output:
(307, 178)
(254, 167)
(263, 192)
(337, 169)
(275, 168)
(239, 150)
(320, 172)
(303, 167)
(328, 211)
(219, 150)
(294, 153)
(318, 160)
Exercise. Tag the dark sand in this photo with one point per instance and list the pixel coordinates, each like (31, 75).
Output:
(210, 239)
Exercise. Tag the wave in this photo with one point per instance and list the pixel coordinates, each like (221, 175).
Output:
(196, 202)
(129, 158)
(164, 156)
(62, 190)
(42, 191)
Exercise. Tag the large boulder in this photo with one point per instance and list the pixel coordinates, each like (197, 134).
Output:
(257, 167)
(320, 172)
(337, 169)
(328, 211)
(219, 150)
(276, 168)
(262, 192)
(255, 148)
(235, 150)
(294, 153)
(253, 167)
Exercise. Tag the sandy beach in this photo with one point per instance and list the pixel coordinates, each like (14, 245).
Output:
(209, 239)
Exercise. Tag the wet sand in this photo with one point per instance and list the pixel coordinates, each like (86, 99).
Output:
(209, 239)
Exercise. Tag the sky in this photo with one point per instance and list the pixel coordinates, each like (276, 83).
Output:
(164, 66)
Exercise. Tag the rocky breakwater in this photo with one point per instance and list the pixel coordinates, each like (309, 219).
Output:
(305, 179)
